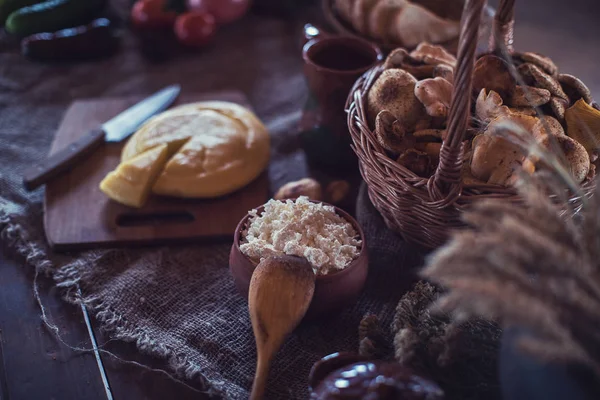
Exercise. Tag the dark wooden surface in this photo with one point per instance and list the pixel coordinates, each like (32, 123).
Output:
(33, 365)
(32, 361)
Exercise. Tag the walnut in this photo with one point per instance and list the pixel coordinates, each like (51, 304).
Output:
(435, 94)
(492, 73)
(394, 91)
(432, 54)
(575, 88)
(529, 96)
(304, 187)
(337, 191)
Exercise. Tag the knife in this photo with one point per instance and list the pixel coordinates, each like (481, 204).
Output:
(113, 130)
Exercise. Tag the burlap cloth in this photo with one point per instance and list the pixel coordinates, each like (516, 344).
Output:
(179, 303)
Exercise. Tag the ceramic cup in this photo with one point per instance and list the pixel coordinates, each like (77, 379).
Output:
(332, 63)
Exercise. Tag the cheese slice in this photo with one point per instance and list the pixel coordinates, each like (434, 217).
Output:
(131, 182)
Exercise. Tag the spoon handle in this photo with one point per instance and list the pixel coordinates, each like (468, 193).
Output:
(260, 378)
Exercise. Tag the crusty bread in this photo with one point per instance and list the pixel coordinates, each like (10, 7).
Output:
(360, 15)
(415, 24)
(381, 18)
(446, 9)
(403, 22)
(344, 8)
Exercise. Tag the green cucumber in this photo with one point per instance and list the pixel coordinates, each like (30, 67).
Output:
(8, 6)
(52, 15)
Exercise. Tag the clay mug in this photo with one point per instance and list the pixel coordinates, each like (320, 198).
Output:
(332, 63)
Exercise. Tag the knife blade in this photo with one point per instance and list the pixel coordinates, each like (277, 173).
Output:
(127, 122)
(113, 130)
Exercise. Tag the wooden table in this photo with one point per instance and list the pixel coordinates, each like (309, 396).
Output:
(33, 365)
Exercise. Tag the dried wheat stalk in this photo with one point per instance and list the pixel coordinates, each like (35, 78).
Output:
(534, 266)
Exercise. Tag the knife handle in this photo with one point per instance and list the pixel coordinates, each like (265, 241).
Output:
(64, 159)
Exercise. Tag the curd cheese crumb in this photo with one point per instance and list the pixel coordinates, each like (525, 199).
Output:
(301, 228)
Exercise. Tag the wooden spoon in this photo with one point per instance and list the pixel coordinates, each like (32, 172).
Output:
(281, 290)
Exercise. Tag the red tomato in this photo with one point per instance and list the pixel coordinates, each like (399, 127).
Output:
(225, 11)
(152, 14)
(195, 29)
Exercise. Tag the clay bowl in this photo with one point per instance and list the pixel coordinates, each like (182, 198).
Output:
(332, 292)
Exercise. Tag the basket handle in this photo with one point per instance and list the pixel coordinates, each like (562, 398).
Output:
(503, 27)
(449, 169)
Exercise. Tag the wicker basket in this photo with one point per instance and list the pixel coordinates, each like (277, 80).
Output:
(424, 210)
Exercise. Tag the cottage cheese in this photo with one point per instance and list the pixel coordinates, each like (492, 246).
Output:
(301, 228)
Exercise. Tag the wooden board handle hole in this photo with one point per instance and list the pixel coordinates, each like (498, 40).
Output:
(155, 219)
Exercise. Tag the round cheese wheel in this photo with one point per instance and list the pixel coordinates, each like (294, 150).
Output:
(214, 148)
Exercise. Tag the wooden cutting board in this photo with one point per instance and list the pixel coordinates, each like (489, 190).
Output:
(78, 215)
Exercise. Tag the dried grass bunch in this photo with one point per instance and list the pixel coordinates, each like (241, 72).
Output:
(535, 266)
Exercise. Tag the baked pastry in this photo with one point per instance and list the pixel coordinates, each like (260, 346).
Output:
(402, 22)
(212, 149)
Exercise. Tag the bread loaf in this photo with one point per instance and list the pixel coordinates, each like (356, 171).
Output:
(403, 23)
(345, 8)
(380, 19)
(415, 24)
(360, 14)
